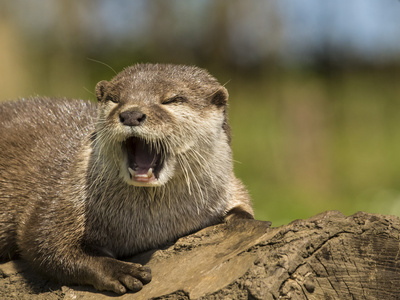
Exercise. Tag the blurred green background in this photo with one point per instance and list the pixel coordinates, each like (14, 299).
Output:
(314, 85)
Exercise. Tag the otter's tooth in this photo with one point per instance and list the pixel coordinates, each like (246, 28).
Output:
(131, 172)
(150, 172)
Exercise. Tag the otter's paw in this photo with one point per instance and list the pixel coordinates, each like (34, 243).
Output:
(119, 276)
(237, 213)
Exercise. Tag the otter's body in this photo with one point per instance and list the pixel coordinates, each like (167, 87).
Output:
(82, 184)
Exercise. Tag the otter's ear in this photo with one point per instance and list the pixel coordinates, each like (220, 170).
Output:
(101, 89)
(220, 97)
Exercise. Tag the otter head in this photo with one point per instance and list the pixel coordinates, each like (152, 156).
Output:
(153, 116)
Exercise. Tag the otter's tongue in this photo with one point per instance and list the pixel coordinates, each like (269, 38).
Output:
(142, 159)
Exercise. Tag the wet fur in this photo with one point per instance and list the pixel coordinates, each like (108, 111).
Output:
(67, 205)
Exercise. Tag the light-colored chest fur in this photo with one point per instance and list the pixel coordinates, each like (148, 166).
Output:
(129, 219)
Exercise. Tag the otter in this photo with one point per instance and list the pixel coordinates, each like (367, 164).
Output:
(83, 185)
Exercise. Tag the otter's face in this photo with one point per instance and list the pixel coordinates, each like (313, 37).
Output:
(150, 116)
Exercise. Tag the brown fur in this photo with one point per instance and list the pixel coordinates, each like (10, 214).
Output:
(68, 202)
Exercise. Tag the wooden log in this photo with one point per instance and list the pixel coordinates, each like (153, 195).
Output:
(329, 256)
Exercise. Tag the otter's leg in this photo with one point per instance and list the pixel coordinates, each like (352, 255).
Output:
(53, 243)
(73, 267)
(240, 204)
(109, 274)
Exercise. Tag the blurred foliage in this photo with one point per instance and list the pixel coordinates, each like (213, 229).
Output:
(316, 134)
(307, 142)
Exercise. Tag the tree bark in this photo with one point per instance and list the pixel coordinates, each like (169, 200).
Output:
(329, 256)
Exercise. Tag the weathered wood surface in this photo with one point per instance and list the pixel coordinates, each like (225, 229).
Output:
(329, 256)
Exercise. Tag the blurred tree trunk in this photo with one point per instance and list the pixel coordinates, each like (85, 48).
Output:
(66, 51)
(14, 82)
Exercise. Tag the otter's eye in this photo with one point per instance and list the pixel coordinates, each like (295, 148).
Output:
(112, 98)
(175, 99)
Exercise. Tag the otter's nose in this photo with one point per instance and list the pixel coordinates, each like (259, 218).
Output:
(132, 118)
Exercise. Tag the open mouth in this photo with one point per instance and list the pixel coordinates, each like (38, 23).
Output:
(145, 161)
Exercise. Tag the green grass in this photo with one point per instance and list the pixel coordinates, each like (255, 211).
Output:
(304, 145)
